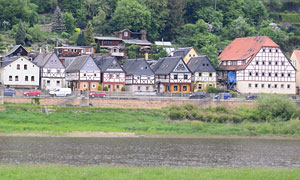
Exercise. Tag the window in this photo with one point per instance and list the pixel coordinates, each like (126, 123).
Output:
(256, 74)
(250, 73)
(282, 75)
(200, 74)
(48, 70)
(95, 74)
(263, 62)
(118, 86)
(58, 71)
(84, 74)
(48, 82)
(270, 74)
(263, 74)
(26, 78)
(18, 66)
(275, 86)
(175, 77)
(185, 76)
(276, 74)
(256, 62)
(94, 86)
(270, 50)
(84, 86)
(276, 63)
(288, 86)
(16, 78)
(25, 66)
(289, 75)
(32, 78)
(210, 74)
(108, 86)
(282, 63)
(125, 33)
(276, 50)
(10, 78)
(175, 88)
(139, 88)
(249, 85)
(270, 63)
(282, 86)
(264, 50)
(269, 85)
(147, 88)
(190, 55)
(57, 83)
(184, 88)
(111, 76)
(262, 85)
(117, 76)
(256, 85)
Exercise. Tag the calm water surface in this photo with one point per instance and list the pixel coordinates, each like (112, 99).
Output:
(150, 152)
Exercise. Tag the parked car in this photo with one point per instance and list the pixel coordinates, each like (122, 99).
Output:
(198, 95)
(225, 95)
(252, 96)
(32, 92)
(61, 92)
(9, 92)
(97, 94)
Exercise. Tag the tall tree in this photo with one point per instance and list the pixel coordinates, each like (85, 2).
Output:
(80, 40)
(132, 15)
(98, 49)
(69, 22)
(231, 9)
(255, 12)
(175, 21)
(58, 24)
(21, 34)
(88, 34)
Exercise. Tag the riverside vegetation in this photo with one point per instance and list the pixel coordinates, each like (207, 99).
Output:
(145, 173)
(271, 115)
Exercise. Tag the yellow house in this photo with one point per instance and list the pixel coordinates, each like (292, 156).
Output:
(204, 73)
(186, 53)
(295, 59)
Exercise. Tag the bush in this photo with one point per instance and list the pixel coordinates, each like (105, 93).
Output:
(99, 87)
(65, 35)
(190, 107)
(233, 94)
(177, 115)
(221, 109)
(211, 90)
(105, 88)
(123, 89)
(276, 108)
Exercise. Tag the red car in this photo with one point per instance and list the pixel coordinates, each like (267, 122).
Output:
(98, 94)
(32, 92)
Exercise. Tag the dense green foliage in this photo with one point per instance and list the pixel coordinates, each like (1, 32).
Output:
(207, 25)
(61, 172)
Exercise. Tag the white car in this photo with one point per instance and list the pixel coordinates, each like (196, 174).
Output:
(61, 92)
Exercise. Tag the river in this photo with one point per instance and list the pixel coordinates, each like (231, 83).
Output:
(151, 152)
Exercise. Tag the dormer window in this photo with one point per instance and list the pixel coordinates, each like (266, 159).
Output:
(125, 34)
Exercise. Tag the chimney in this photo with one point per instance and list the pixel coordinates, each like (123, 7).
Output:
(144, 34)
(146, 56)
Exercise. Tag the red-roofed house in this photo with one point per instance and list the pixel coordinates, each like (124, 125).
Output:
(257, 65)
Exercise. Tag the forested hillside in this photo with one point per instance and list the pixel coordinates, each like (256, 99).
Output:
(207, 25)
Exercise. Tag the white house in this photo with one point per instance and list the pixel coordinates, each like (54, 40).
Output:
(52, 71)
(19, 72)
(257, 65)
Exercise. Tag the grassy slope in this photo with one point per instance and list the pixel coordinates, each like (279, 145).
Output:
(123, 173)
(28, 118)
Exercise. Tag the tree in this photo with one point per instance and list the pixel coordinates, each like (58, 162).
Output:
(211, 52)
(130, 14)
(21, 34)
(2, 45)
(69, 22)
(255, 12)
(80, 40)
(238, 28)
(98, 49)
(231, 9)
(58, 24)
(88, 34)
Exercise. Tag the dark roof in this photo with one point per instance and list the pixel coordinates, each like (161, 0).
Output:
(200, 64)
(42, 59)
(137, 67)
(137, 42)
(104, 62)
(8, 61)
(182, 52)
(12, 50)
(166, 65)
(77, 64)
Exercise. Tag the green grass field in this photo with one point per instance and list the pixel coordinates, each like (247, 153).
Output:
(29, 118)
(58, 172)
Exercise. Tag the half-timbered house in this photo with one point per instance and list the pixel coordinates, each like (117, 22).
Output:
(204, 73)
(112, 74)
(52, 71)
(139, 76)
(83, 74)
(173, 75)
(257, 65)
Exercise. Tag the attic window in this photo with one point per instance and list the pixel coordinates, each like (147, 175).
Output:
(125, 33)
(264, 50)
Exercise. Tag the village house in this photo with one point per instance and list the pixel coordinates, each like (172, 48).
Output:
(19, 72)
(204, 73)
(173, 75)
(295, 59)
(186, 53)
(112, 74)
(83, 74)
(69, 51)
(139, 76)
(17, 50)
(52, 71)
(257, 65)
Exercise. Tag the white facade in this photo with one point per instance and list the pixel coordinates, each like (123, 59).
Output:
(114, 77)
(20, 72)
(209, 77)
(137, 83)
(268, 72)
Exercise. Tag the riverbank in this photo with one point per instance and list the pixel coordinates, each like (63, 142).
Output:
(53, 172)
(126, 122)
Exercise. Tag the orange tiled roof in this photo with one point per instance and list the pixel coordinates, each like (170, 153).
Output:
(243, 48)
(297, 53)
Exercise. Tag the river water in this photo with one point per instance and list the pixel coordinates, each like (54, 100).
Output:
(151, 152)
